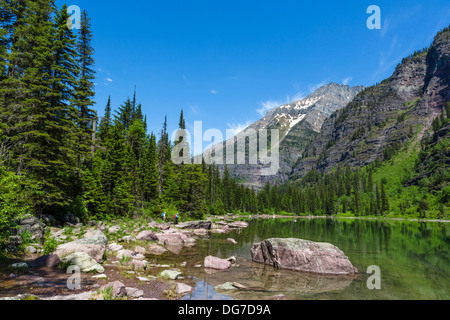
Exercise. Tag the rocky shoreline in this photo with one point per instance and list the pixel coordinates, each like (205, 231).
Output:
(115, 259)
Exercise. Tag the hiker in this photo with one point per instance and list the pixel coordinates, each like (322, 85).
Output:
(163, 216)
(176, 218)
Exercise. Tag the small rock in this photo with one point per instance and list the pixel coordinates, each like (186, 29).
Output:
(225, 287)
(182, 288)
(240, 286)
(157, 249)
(30, 249)
(232, 240)
(137, 256)
(134, 293)
(124, 253)
(128, 239)
(139, 249)
(137, 264)
(118, 288)
(169, 274)
(238, 224)
(217, 263)
(20, 266)
(147, 235)
(201, 232)
(113, 230)
(143, 279)
(100, 276)
(115, 247)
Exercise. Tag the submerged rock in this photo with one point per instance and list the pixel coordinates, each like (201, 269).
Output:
(225, 287)
(303, 255)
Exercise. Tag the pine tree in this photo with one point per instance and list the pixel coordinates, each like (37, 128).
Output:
(163, 154)
(106, 121)
(40, 137)
(384, 199)
(125, 114)
(115, 175)
(377, 199)
(85, 89)
(136, 139)
(149, 171)
(93, 196)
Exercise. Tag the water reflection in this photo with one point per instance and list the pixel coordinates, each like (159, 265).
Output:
(413, 257)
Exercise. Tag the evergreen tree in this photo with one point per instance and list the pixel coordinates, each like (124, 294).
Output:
(384, 199)
(40, 138)
(149, 171)
(125, 114)
(85, 89)
(105, 123)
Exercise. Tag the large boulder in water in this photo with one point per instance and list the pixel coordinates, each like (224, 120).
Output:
(303, 255)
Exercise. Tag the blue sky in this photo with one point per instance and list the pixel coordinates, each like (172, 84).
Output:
(226, 62)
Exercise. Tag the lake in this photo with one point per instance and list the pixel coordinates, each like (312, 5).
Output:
(413, 258)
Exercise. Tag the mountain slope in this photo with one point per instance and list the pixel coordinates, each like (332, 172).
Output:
(298, 124)
(382, 118)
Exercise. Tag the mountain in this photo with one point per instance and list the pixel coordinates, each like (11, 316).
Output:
(298, 123)
(381, 119)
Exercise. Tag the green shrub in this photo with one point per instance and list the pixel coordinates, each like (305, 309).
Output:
(14, 202)
(50, 246)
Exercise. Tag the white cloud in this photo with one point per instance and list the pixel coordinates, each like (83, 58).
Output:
(109, 79)
(385, 27)
(346, 80)
(214, 91)
(316, 86)
(298, 96)
(238, 127)
(194, 109)
(267, 105)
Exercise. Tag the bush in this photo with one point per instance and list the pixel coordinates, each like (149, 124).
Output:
(13, 202)
(50, 246)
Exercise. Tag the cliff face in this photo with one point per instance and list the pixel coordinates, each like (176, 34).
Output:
(298, 124)
(382, 118)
